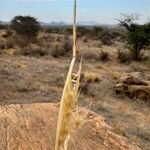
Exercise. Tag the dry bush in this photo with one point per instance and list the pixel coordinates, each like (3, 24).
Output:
(108, 36)
(2, 45)
(7, 33)
(61, 50)
(67, 45)
(106, 39)
(34, 51)
(85, 39)
(85, 88)
(9, 43)
(82, 31)
(21, 42)
(90, 55)
(4, 35)
(123, 57)
(104, 56)
(57, 51)
(91, 89)
(18, 41)
(45, 41)
(2, 26)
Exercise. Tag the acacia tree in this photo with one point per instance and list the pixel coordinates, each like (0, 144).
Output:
(138, 35)
(25, 26)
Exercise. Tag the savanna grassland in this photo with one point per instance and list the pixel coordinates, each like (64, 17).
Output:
(35, 72)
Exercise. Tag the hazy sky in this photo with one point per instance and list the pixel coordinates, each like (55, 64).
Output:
(101, 11)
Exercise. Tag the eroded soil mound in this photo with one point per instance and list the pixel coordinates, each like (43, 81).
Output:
(33, 127)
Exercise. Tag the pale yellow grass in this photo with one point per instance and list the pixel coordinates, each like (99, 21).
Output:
(68, 116)
(91, 77)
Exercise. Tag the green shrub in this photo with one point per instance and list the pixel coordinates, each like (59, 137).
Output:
(26, 26)
(138, 35)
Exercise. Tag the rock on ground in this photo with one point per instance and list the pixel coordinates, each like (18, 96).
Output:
(134, 85)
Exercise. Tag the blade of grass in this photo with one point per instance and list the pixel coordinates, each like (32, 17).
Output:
(68, 99)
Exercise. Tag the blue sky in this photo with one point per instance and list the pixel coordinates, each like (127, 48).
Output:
(101, 11)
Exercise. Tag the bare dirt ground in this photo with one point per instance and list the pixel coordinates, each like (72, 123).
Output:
(28, 80)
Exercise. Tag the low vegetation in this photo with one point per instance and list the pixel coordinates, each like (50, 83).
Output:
(26, 26)
(123, 56)
(104, 56)
(33, 71)
(138, 35)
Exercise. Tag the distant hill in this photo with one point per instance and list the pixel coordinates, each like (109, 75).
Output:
(81, 23)
(53, 23)
(4, 23)
(88, 23)
(61, 23)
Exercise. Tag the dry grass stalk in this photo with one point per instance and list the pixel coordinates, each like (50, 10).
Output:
(74, 29)
(68, 105)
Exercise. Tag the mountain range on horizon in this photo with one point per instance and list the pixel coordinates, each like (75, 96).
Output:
(61, 23)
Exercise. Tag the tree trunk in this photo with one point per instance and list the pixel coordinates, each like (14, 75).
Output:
(136, 52)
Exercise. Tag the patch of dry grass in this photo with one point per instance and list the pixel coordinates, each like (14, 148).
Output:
(91, 77)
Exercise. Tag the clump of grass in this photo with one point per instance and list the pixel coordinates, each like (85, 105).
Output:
(91, 77)
(116, 75)
(68, 114)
